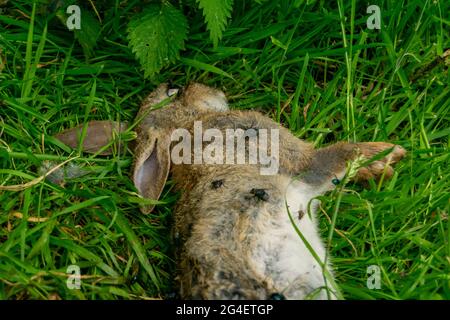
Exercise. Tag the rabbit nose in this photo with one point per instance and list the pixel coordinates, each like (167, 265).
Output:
(277, 296)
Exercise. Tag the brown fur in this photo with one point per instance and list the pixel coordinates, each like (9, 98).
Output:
(223, 209)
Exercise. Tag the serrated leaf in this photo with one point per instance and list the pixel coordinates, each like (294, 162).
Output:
(216, 14)
(157, 36)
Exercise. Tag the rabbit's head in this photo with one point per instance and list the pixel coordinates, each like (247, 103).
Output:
(179, 104)
(164, 110)
(152, 152)
(204, 98)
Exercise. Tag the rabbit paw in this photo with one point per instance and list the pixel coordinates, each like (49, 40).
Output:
(382, 166)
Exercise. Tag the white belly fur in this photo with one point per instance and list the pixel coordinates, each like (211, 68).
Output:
(282, 255)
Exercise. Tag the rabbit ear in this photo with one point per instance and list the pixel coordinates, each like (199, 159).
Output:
(98, 135)
(152, 165)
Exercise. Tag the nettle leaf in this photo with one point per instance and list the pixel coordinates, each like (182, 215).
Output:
(216, 14)
(157, 36)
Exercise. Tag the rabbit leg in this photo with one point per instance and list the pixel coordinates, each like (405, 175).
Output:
(330, 162)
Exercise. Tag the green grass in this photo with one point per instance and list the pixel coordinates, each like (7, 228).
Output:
(316, 69)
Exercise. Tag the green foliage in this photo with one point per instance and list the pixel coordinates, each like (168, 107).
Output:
(216, 13)
(88, 35)
(89, 32)
(315, 69)
(157, 36)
